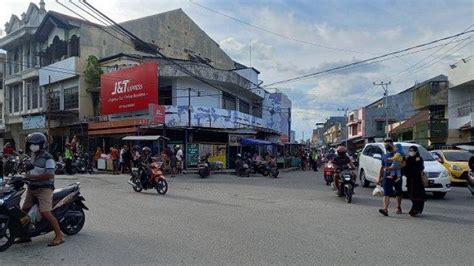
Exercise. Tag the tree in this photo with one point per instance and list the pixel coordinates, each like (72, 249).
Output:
(92, 75)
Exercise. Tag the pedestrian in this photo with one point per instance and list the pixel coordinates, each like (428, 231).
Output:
(416, 190)
(8, 150)
(97, 155)
(115, 156)
(127, 159)
(121, 166)
(68, 158)
(179, 159)
(314, 158)
(390, 187)
(173, 164)
(136, 155)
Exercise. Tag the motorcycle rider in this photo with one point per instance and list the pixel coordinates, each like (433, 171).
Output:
(341, 160)
(146, 161)
(41, 186)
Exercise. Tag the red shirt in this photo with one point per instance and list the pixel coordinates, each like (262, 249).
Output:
(115, 154)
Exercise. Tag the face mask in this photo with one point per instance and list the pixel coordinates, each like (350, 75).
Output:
(412, 154)
(34, 148)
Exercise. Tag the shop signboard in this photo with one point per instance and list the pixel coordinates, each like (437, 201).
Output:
(157, 113)
(192, 154)
(129, 90)
(234, 139)
(34, 122)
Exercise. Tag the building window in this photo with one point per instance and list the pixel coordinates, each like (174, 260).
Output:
(15, 93)
(165, 96)
(40, 104)
(244, 107)
(28, 95)
(71, 98)
(437, 112)
(34, 93)
(464, 111)
(228, 101)
(257, 109)
(55, 100)
(380, 125)
(74, 46)
(16, 61)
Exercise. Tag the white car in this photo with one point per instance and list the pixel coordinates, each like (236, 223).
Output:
(370, 162)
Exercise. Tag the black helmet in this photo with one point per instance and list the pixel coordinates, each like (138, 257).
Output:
(36, 138)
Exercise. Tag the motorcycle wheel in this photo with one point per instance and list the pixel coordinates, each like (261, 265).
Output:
(202, 173)
(138, 184)
(74, 224)
(275, 174)
(265, 173)
(6, 240)
(162, 186)
(348, 194)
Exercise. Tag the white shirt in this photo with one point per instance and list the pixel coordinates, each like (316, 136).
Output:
(179, 155)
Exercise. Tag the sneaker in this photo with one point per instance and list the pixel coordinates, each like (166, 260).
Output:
(383, 212)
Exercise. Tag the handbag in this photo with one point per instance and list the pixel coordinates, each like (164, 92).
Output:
(378, 191)
(424, 179)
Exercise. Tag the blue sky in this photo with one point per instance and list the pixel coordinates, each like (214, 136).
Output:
(365, 26)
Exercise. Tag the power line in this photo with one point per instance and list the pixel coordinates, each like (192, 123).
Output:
(366, 60)
(277, 33)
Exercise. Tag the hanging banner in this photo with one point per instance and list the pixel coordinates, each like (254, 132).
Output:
(192, 154)
(157, 113)
(128, 90)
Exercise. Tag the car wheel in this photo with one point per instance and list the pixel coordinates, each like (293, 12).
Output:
(439, 195)
(363, 181)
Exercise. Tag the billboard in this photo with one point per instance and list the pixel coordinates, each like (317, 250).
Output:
(129, 90)
(157, 113)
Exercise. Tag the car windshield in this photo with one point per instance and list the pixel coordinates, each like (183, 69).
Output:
(423, 152)
(457, 156)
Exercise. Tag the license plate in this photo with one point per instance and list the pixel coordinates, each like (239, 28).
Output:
(134, 169)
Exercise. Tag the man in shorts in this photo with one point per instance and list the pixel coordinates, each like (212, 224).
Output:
(41, 186)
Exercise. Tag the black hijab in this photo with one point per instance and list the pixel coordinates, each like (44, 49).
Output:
(415, 161)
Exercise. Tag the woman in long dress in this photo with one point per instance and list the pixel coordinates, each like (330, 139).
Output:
(416, 190)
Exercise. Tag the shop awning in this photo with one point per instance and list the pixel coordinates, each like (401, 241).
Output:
(247, 141)
(145, 138)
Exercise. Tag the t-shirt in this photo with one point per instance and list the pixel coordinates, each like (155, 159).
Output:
(115, 154)
(179, 155)
(43, 164)
(8, 150)
(386, 160)
(342, 160)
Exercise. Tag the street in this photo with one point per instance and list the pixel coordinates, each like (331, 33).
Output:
(294, 219)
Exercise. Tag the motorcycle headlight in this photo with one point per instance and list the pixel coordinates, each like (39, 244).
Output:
(1, 202)
(456, 168)
(444, 174)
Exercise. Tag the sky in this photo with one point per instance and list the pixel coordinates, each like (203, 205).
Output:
(294, 38)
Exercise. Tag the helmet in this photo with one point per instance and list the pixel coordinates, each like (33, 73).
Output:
(341, 149)
(238, 155)
(37, 138)
(146, 149)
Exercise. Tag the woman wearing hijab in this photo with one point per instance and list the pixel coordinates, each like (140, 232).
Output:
(413, 169)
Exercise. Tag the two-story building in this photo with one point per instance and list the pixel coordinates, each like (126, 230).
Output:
(461, 102)
(356, 129)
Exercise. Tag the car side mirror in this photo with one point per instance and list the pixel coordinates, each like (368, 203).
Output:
(377, 156)
(440, 160)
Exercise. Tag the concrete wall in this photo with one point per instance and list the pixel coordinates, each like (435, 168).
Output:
(399, 108)
(197, 89)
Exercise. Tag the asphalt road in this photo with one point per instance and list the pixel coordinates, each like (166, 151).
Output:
(294, 219)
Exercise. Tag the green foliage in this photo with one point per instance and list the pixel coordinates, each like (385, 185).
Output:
(93, 72)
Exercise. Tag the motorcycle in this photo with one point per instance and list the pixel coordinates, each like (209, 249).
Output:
(78, 165)
(11, 166)
(24, 160)
(60, 168)
(242, 167)
(260, 168)
(203, 167)
(346, 183)
(328, 172)
(272, 168)
(148, 177)
(470, 181)
(68, 208)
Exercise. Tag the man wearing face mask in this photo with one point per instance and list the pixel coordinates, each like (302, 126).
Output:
(390, 187)
(41, 186)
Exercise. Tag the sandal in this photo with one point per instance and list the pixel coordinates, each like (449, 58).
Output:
(399, 211)
(57, 243)
(383, 212)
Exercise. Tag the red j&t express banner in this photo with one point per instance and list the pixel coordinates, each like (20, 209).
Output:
(130, 89)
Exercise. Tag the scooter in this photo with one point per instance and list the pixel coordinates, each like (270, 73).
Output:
(79, 165)
(148, 177)
(260, 168)
(329, 172)
(203, 167)
(272, 168)
(242, 167)
(11, 166)
(68, 208)
(346, 183)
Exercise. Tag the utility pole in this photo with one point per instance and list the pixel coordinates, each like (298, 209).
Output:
(289, 124)
(384, 86)
(186, 132)
(49, 112)
(345, 110)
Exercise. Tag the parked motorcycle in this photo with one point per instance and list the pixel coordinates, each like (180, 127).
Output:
(346, 183)
(242, 167)
(60, 168)
(203, 167)
(78, 164)
(68, 208)
(149, 177)
(259, 168)
(272, 168)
